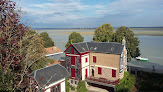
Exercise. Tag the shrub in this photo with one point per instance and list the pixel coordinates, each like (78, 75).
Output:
(126, 83)
(81, 87)
(67, 88)
(72, 87)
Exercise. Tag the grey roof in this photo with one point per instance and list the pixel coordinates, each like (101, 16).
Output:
(56, 56)
(81, 47)
(99, 47)
(46, 76)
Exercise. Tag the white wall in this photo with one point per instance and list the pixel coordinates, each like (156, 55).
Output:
(85, 65)
(62, 85)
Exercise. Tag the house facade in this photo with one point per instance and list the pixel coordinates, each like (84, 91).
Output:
(102, 63)
(49, 79)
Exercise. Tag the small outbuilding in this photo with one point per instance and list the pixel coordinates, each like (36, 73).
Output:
(49, 79)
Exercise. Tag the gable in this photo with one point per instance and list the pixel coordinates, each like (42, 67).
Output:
(68, 50)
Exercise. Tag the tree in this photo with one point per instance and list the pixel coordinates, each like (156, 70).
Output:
(104, 33)
(131, 41)
(48, 42)
(21, 50)
(126, 83)
(74, 38)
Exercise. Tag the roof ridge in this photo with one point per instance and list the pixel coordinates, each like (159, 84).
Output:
(46, 67)
(105, 42)
(87, 46)
(76, 48)
(64, 68)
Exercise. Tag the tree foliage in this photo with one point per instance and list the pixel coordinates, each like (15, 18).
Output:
(81, 87)
(132, 42)
(48, 42)
(126, 83)
(103, 33)
(74, 37)
(21, 50)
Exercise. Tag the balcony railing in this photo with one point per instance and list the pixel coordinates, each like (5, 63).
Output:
(103, 80)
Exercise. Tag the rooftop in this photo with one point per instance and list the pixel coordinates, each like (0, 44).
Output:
(52, 50)
(99, 47)
(46, 76)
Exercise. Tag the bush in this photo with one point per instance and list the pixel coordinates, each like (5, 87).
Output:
(126, 83)
(72, 87)
(81, 87)
(67, 88)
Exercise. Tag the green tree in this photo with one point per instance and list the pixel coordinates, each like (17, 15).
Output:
(74, 37)
(126, 83)
(35, 50)
(132, 42)
(104, 33)
(48, 42)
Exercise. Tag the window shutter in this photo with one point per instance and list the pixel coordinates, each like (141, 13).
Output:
(94, 59)
(72, 60)
(86, 60)
(113, 73)
(99, 70)
(72, 72)
(72, 50)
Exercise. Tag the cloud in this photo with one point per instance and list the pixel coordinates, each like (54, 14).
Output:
(80, 12)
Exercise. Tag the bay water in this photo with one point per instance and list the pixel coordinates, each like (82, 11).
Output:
(151, 47)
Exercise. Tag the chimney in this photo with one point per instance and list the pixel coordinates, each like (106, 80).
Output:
(54, 48)
(123, 41)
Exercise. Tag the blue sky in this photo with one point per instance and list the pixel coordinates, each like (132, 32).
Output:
(91, 13)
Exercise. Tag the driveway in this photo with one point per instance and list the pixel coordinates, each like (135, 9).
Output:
(95, 89)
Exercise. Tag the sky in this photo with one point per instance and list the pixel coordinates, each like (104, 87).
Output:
(91, 13)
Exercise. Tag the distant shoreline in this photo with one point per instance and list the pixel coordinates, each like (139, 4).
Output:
(159, 27)
(91, 32)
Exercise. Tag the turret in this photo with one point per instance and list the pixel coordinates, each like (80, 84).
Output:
(123, 41)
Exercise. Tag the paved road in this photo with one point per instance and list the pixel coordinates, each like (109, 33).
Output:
(95, 89)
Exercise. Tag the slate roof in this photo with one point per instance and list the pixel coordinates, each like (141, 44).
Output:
(49, 75)
(99, 47)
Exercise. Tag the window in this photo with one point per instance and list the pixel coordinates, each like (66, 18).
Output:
(113, 73)
(72, 50)
(52, 89)
(94, 59)
(55, 88)
(86, 60)
(99, 70)
(58, 88)
(76, 82)
(71, 81)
